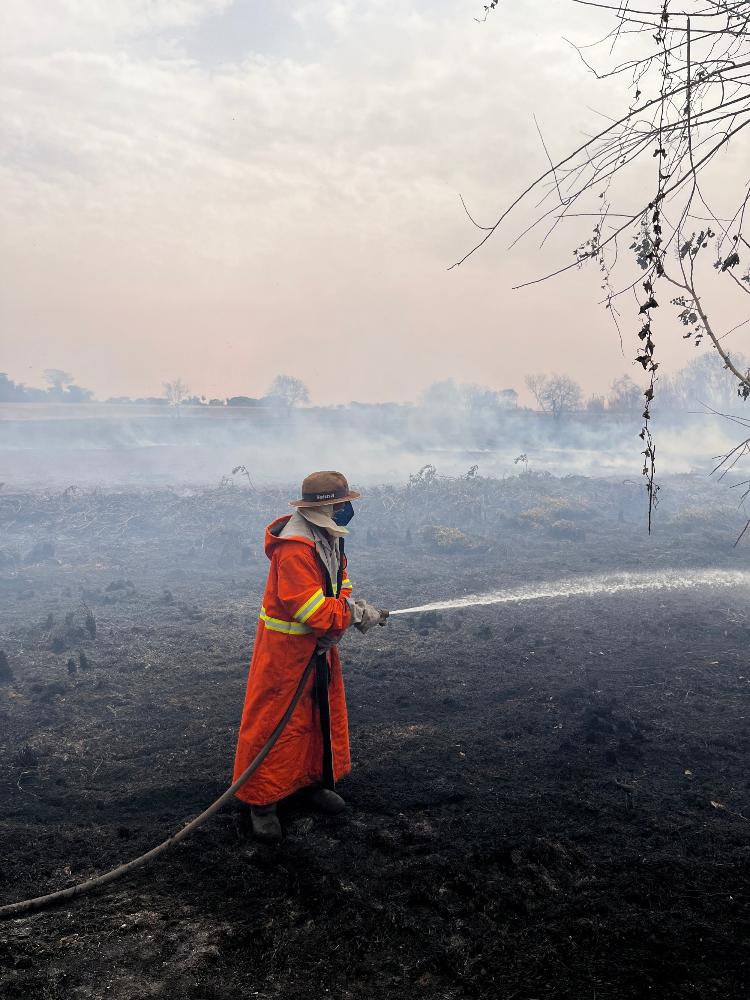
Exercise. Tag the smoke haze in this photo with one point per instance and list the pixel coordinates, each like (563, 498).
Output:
(100, 445)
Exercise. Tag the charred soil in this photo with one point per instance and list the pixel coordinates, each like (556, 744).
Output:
(549, 799)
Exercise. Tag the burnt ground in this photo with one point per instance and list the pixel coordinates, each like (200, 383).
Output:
(550, 799)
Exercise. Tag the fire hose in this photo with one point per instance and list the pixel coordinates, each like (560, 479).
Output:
(586, 586)
(73, 891)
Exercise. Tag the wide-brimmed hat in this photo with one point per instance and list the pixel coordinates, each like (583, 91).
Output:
(320, 488)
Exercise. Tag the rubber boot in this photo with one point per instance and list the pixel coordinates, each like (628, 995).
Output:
(265, 823)
(324, 800)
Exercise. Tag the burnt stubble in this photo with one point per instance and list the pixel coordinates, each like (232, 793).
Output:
(549, 799)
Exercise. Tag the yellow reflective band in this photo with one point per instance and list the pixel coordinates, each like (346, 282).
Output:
(347, 583)
(310, 606)
(279, 625)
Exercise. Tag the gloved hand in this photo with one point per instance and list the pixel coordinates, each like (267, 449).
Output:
(369, 615)
(327, 640)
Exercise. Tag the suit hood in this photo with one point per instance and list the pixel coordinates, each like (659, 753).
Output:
(273, 535)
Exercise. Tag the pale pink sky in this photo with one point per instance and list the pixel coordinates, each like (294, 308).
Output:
(226, 190)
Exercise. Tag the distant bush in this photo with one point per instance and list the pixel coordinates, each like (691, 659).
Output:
(243, 401)
(552, 510)
(446, 539)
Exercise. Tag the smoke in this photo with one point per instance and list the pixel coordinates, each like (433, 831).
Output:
(117, 445)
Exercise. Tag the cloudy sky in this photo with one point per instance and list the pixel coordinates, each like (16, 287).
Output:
(227, 189)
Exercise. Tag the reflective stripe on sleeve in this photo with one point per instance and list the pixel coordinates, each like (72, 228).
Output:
(346, 584)
(279, 625)
(310, 606)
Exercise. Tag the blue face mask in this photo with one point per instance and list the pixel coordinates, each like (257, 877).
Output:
(344, 515)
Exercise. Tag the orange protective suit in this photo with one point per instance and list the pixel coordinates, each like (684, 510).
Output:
(300, 604)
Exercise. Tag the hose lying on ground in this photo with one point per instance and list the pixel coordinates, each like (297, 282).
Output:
(586, 586)
(39, 902)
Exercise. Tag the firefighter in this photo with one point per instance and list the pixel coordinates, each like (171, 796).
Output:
(307, 607)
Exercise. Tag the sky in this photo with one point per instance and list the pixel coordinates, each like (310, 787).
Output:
(223, 190)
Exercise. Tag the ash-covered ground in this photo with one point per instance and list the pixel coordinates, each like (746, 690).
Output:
(550, 799)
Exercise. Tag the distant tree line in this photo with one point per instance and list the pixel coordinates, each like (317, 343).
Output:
(284, 391)
(61, 388)
(701, 382)
(467, 396)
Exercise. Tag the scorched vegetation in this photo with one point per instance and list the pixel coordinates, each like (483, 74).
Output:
(549, 800)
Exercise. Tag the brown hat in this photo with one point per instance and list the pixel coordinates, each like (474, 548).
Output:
(321, 488)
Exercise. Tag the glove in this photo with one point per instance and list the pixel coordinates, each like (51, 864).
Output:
(368, 615)
(327, 640)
